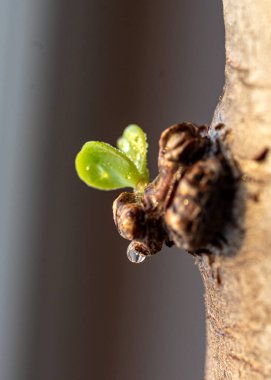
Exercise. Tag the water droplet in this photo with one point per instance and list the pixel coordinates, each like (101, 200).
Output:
(186, 202)
(125, 146)
(134, 256)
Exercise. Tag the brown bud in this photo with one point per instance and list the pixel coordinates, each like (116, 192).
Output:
(129, 216)
(200, 205)
(182, 144)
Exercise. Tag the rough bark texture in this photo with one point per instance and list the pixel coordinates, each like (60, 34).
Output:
(238, 281)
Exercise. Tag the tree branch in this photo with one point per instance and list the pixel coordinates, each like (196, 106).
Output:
(237, 284)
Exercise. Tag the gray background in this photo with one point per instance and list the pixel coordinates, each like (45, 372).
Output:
(71, 305)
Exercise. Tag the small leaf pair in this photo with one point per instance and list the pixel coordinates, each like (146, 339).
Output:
(104, 167)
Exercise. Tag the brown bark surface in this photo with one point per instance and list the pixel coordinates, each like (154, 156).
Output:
(238, 279)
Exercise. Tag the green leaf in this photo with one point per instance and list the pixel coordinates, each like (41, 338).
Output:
(101, 166)
(134, 144)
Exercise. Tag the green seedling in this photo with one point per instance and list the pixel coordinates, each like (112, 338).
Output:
(104, 167)
(188, 202)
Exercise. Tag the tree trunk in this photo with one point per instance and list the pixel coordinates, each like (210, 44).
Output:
(238, 282)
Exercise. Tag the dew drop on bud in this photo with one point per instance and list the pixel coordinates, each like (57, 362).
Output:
(133, 255)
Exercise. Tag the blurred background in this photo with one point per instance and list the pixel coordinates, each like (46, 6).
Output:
(71, 304)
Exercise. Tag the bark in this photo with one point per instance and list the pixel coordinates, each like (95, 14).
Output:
(238, 279)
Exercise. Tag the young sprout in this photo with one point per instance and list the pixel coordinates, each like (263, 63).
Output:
(134, 144)
(187, 204)
(104, 167)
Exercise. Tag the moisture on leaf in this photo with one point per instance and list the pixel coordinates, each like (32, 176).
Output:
(134, 144)
(101, 166)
